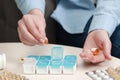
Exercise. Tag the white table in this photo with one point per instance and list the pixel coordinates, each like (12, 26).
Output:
(16, 50)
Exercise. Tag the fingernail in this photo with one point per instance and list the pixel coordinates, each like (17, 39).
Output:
(46, 41)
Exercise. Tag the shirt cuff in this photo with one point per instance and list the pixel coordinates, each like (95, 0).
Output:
(27, 5)
(105, 22)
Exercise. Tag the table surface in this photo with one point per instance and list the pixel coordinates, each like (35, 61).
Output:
(14, 51)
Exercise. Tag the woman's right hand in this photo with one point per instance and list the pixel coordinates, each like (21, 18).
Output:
(31, 28)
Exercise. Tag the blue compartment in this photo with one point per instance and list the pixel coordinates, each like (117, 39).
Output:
(69, 61)
(42, 64)
(55, 63)
(45, 58)
(70, 58)
(34, 56)
(57, 53)
(67, 64)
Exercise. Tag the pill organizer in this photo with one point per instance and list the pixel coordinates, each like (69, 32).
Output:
(108, 74)
(69, 64)
(56, 60)
(54, 64)
(29, 65)
(48, 58)
(57, 53)
(42, 67)
(70, 57)
(34, 57)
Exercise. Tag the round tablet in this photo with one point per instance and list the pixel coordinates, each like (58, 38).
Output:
(90, 73)
(98, 71)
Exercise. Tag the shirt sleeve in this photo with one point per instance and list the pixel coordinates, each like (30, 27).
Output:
(26, 5)
(106, 16)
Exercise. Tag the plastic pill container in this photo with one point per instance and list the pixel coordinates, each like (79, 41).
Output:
(2, 61)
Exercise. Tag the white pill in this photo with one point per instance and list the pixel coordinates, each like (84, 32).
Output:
(94, 76)
(99, 78)
(98, 71)
(90, 73)
(106, 77)
(110, 79)
(101, 74)
(105, 72)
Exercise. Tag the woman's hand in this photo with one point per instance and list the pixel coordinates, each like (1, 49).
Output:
(97, 39)
(31, 28)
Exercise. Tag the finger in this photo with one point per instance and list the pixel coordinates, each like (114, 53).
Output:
(23, 40)
(32, 28)
(40, 25)
(25, 34)
(97, 59)
(85, 54)
(107, 49)
(88, 56)
(26, 42)
(86, 60)
(82, 55)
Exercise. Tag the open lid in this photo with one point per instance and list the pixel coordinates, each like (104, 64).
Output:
(57, 53)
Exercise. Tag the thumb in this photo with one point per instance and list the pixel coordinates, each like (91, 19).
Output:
(107, 49)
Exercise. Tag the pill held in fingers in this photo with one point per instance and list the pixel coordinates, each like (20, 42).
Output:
(95, 51)
(46, 42)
